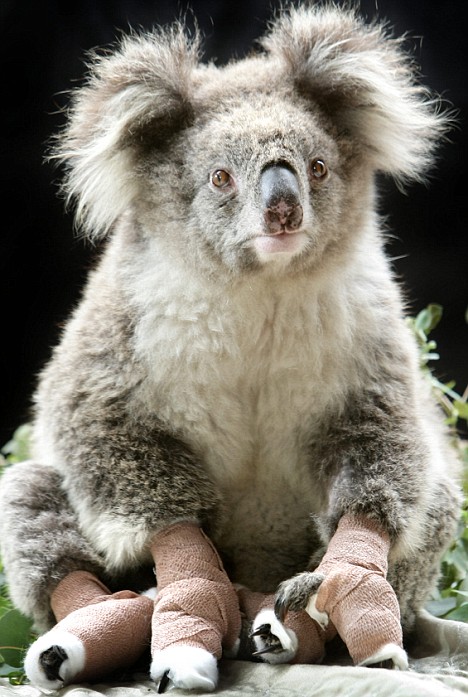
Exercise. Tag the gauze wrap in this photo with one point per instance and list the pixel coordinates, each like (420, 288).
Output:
(114, 627)
(196, 604)
(355, 593)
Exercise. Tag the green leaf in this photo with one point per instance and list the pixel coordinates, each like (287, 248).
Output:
(439, 608)
(7, 671)
(460, 613)
(428, 318)
(15, 637)
(462, 409)
(5, 606)
(463, 593)
(17, 449)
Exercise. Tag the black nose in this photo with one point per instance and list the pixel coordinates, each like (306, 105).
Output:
(281, 199)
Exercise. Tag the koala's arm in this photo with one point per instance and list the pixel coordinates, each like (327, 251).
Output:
(374, 461)
(379, 479)
(126, 475)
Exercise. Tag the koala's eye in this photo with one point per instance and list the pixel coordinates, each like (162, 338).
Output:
(318, 169)
(220, 178)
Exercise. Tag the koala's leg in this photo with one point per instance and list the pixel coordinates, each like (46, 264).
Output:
(372, 612)
(40, 539)
(349, 587)
(300, 639)
(415, 577)
(97, 632)
(196, 612)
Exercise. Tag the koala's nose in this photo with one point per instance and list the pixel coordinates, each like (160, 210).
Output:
(281, 199)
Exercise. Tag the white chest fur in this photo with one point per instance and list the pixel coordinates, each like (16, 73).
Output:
(243, 375)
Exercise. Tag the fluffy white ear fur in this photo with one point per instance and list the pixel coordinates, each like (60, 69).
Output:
(146, 82)
(364, 79)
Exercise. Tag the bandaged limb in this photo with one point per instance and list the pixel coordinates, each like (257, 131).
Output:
(196, 613)
(96, 633)
(356, 596)
(299, 639)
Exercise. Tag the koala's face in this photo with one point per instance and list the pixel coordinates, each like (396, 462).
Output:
(262, 181)
(264, 174)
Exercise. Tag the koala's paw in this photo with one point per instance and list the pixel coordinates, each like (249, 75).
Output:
(185, 667)
(299, 593)
(274, 642)
(54, 659)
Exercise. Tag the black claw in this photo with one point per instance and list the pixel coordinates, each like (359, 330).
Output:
(267, 649)
(274, 648)
(163, 683)
(51, 660)
(263, 630)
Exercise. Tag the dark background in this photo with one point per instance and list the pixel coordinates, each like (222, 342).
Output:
(43, 265)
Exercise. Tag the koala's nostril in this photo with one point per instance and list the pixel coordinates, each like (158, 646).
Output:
(283, 217)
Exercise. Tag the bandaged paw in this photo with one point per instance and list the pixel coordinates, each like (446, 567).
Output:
(196, 605)
(296, 640)
(356, 596)
(274, 642)
(185, 667)
(97, 633)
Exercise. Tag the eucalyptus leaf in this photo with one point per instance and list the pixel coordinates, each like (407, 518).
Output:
(7, 671)
(17, 449)
(462, 409)
(440, 607)
(460, 613)
(428, 318)
(15, 637)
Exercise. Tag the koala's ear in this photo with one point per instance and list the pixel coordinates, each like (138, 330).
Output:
(140, 92)
(363, 78)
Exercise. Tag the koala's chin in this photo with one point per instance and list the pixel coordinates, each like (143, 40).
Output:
(280, 248)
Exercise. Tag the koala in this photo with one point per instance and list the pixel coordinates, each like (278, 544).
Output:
(239, 359)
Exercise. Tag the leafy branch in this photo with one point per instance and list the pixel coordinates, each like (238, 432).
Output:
(451, 598)
(455, 405)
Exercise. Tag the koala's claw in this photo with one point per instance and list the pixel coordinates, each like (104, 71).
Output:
(278, 648)
(271, 642)
(262, 631)
(295, 593)
(163, 683)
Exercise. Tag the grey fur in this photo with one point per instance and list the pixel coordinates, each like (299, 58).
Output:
(201, 378)
(41, 541)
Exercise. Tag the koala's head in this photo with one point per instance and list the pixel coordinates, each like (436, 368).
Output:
(266, 161)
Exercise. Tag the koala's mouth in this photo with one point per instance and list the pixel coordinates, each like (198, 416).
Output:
(289, 243)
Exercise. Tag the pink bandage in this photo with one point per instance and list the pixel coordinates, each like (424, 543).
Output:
(310, 636)
(114, 628)
(356, 595)
(196, 604)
